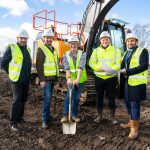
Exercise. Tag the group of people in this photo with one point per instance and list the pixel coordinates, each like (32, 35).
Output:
(131, 68)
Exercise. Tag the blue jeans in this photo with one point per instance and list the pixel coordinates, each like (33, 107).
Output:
(133, 106)
(76, 93)
(47, 95)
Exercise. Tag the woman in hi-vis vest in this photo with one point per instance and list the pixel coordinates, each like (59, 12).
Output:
(74, 64)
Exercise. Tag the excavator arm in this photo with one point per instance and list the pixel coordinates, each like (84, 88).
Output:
(93, 18)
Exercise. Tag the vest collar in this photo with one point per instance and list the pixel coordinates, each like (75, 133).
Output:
(21, 46)
(105, 47)
(132, 49)
(50, 47)
(71, 54)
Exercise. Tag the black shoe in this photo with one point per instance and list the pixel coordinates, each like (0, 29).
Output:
(44, 125)
(21, 120)
(14, 127)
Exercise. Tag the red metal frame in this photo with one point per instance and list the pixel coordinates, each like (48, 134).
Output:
(63, 24)
(77, 25)
(44, 26)
(45, 18)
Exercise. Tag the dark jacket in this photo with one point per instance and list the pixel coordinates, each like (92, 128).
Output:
(40, 59)
(135, 92)
(25, 73)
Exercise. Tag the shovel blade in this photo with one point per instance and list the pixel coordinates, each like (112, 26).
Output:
(69, 128)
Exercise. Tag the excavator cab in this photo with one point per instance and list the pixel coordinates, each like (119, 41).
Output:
(97, 10)
(116, 30)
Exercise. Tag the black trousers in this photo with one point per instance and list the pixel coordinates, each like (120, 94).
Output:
(108, 85)
(20, 94)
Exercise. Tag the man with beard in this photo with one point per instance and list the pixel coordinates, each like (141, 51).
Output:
(133, 80)
(48, 72)
(17, 63)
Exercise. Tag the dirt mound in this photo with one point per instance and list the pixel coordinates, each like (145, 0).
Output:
(89, 135)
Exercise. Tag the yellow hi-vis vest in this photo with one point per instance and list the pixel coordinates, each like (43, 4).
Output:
(110, 56)
(140, 78)
(51, 62)
(15, 64)
(74, 69)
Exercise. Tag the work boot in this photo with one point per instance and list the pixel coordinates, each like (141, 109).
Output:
(22, 120)
(99, 116)
(75, 119)
(127, 125)
(14, 127)
(45, 125)
(64, 119)
(112, 116)
(134, 129)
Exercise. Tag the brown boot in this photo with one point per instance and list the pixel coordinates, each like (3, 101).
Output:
(112, 116)
(64, 119)
(134, 129)
(127, 125)
(76, 119)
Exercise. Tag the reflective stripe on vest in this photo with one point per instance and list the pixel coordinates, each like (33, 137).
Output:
(140, 78)
(51, 62)
(15, 64)
(111, 52)
(74, 69)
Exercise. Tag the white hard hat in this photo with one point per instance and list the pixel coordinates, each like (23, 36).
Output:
(104, 34)
(48, 32)
(73, 38)
(131, 35)
(23, 33)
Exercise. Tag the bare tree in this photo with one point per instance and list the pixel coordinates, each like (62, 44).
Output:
(143, 33)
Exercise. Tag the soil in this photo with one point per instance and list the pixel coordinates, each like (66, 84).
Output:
(89, 135)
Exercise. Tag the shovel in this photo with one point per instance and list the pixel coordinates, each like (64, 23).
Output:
(69, 127)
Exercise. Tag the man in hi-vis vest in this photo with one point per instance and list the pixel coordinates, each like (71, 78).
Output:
(105, 62)
(74, 63)
(48, 72)
(133, 81)
(17, 63)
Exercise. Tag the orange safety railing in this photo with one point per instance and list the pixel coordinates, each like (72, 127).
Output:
(75, 27)
(44, 15)
(60, 35)
(46, 21)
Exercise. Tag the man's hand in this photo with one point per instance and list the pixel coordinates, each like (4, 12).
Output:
(42, 84)
(123, 71)
(101, 69)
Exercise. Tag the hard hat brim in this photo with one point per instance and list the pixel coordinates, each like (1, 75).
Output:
(132, 38)
(22, 37)
(47, 36)
(105, 37)
(73, 41)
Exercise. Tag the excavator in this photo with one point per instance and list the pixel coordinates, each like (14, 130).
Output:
(89, 30)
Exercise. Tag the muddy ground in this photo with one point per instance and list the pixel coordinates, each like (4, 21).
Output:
(89, 135)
